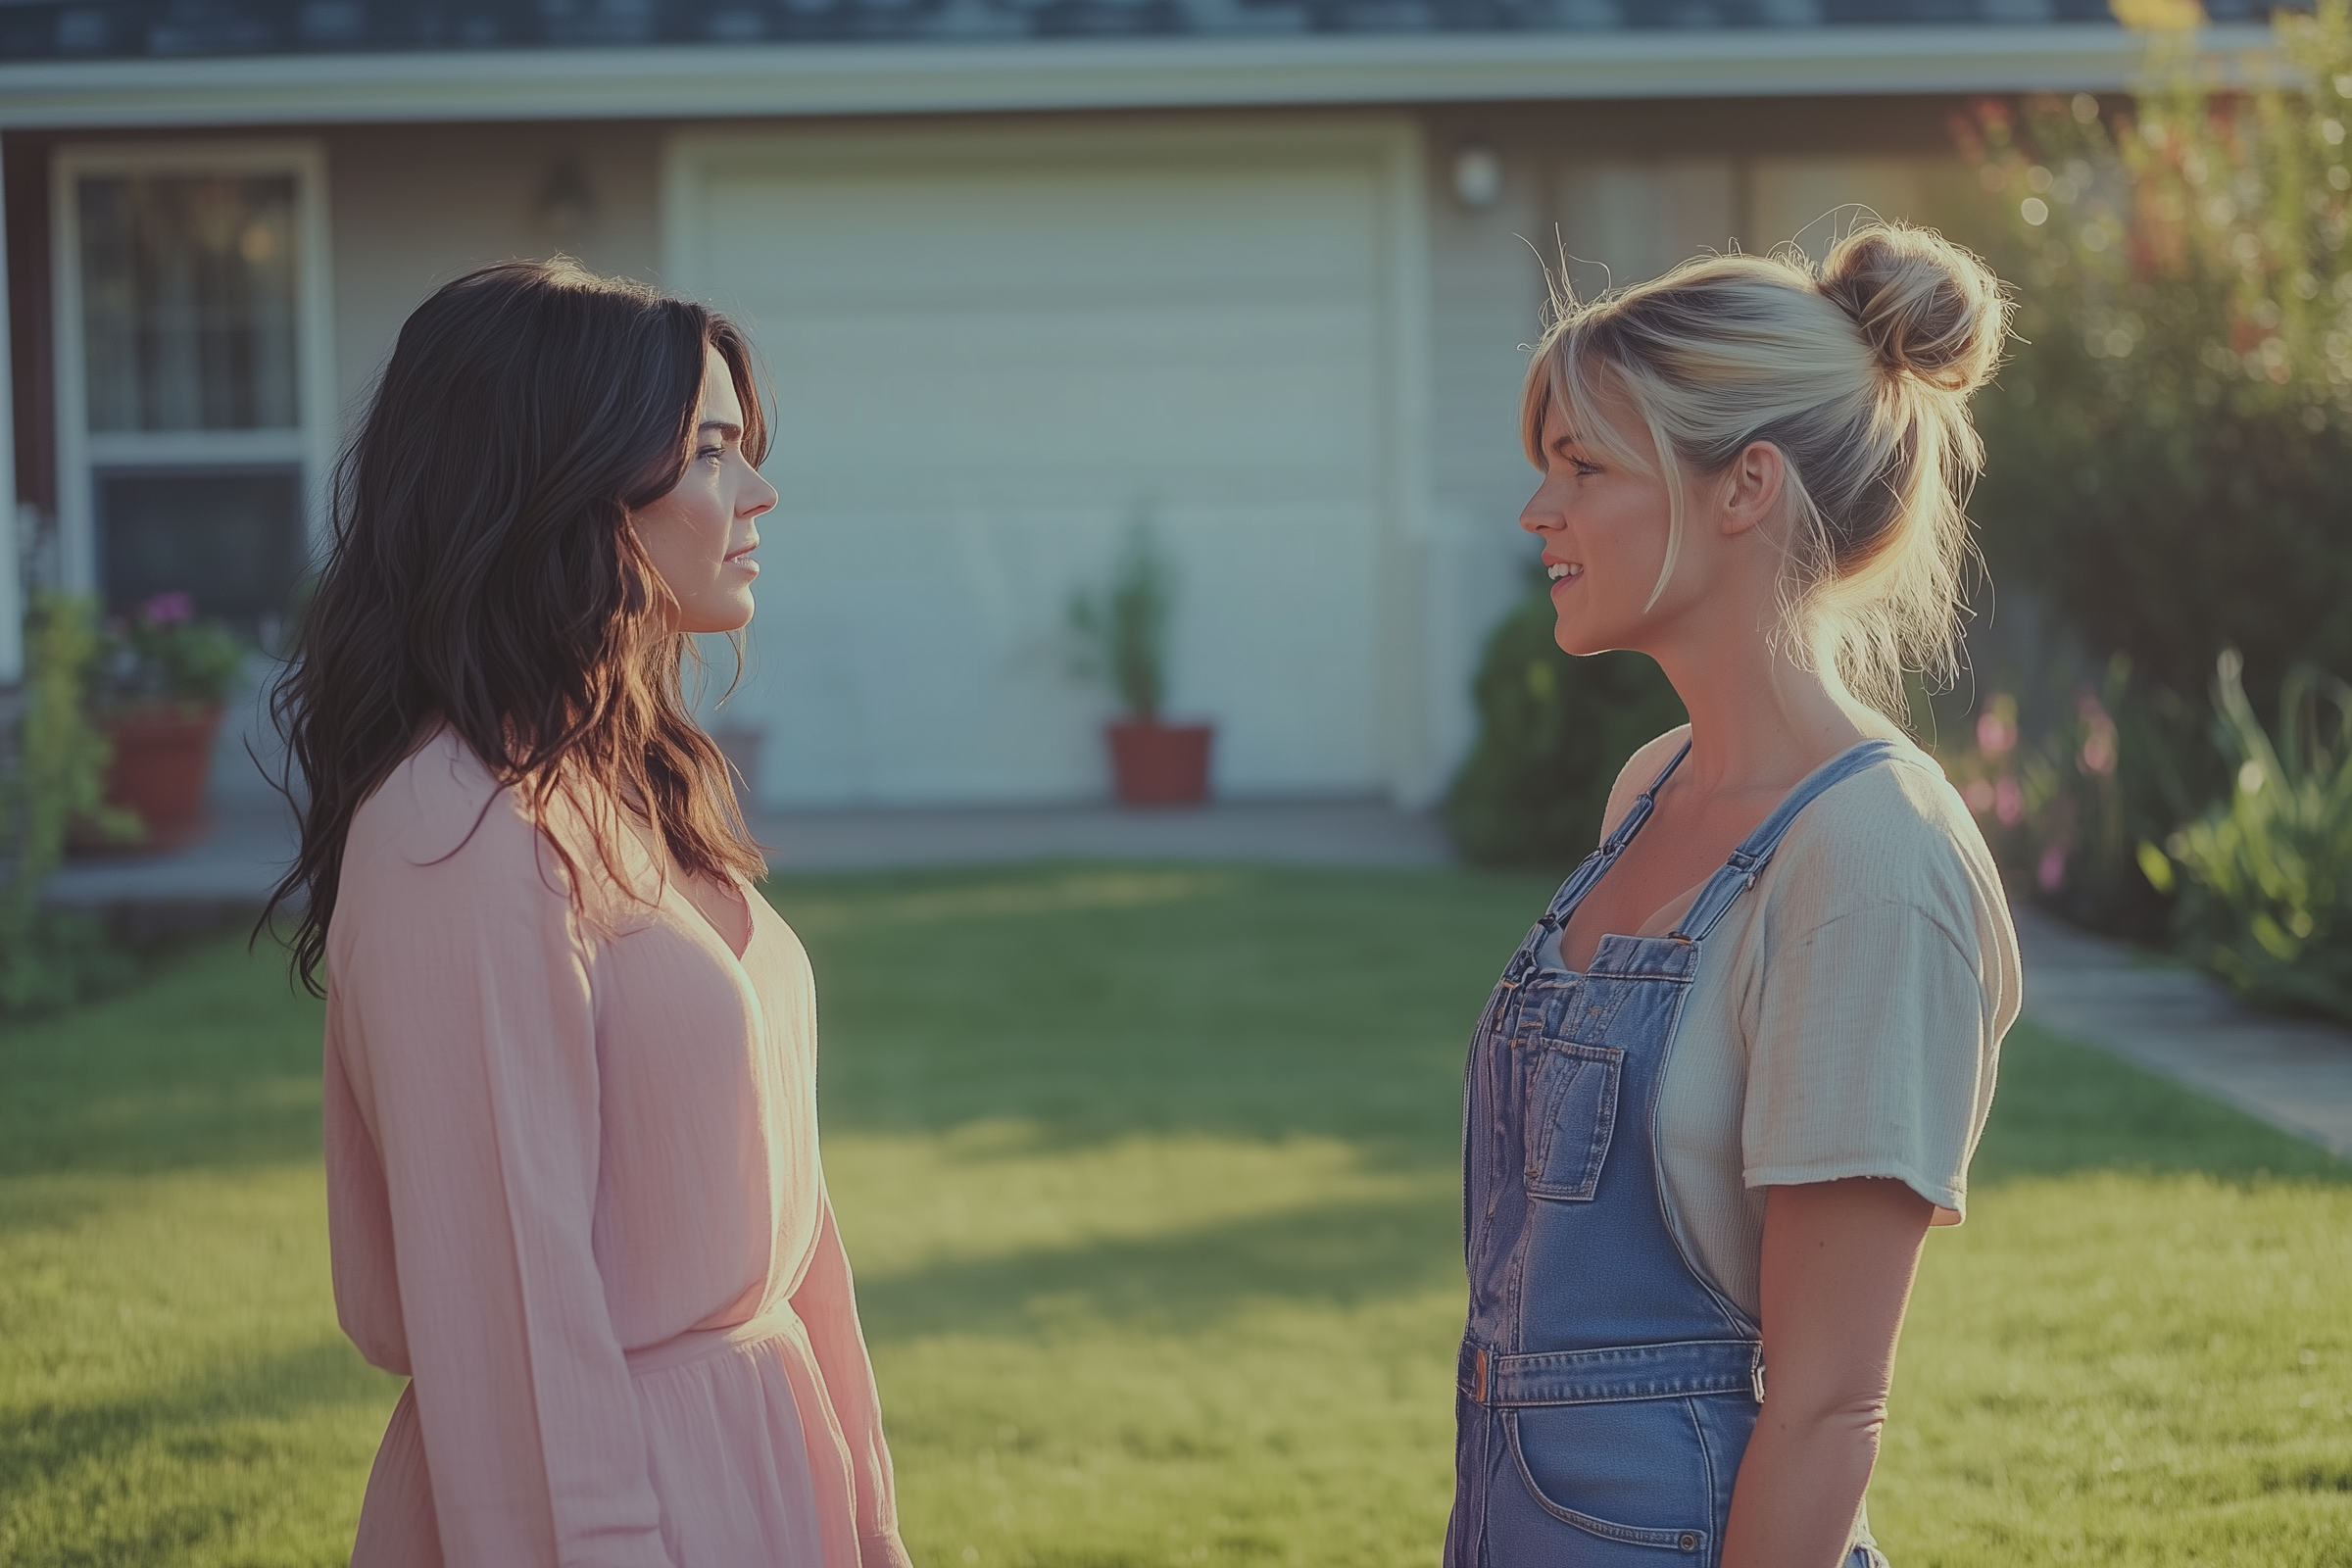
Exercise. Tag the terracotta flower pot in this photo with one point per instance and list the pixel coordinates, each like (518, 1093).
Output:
(1160, 764)
(163, 759)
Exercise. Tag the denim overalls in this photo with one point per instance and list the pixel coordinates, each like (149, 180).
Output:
(1607, 1388)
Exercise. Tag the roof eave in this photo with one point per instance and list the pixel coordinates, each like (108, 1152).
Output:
(1005, 75)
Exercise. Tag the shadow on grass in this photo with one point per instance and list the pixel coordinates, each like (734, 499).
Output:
(1092, 1002)
(2063, 1108)
(1089, 1003)
(193, 1419)
(1339, 1253)
(208, 1061)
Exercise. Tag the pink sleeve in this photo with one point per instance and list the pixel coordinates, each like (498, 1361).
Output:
(826, 1304)
(470, 1034)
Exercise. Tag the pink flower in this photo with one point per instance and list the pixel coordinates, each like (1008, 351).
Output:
(1977, 793)
(168, 609)
(2052, 869)
(2008, 802)
(2099, 746)
(1996, 735)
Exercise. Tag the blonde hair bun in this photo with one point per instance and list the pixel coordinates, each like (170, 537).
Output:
(1859, 370)
(1926, 307)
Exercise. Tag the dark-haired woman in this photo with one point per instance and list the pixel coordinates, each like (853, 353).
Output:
(1737, 1069)
(573, 1185)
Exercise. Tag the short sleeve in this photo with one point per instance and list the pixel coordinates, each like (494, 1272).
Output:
(1871, 1053)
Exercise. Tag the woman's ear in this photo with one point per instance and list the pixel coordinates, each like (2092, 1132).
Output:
(1752, 487)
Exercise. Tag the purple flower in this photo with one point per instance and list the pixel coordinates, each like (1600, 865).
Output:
(2052, 869)
(169, 609)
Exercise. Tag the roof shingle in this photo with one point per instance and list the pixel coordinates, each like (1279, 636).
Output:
(116, 30)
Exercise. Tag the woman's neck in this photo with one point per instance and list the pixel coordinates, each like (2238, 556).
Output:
(1759, 720)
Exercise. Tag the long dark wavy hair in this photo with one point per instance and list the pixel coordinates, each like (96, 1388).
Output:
(484, 578)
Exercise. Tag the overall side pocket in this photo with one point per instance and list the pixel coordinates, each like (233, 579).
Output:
(1570, 1113)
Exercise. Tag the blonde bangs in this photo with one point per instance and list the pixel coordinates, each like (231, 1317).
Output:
(1563, 374)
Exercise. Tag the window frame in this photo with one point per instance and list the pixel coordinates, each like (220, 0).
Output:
(80, 451)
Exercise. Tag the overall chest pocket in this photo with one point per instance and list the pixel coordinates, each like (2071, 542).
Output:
(1571, 1111)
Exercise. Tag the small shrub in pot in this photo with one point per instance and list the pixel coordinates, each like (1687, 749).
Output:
(1120, 636)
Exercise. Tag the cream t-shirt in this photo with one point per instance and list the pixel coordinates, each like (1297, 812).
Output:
(1846, 1019)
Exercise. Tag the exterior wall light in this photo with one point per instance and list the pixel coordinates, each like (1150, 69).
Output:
(1477, 176)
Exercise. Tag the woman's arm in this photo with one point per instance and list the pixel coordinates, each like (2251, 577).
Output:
(1838, 1258)
(826, 1304)
(462, 1013)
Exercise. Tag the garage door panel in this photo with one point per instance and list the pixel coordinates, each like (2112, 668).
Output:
(1030, 406)
(916, 660)
(1280, 645)
(956, 243)
(981, 373)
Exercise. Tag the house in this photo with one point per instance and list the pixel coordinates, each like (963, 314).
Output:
(1024, 272)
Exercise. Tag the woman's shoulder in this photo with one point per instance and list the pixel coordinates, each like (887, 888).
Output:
(1892, 833)
(1641, 771)
(442, 808)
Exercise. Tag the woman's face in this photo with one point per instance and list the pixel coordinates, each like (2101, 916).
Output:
(1603, 528)
(701, 535)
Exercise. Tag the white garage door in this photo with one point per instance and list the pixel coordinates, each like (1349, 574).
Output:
(992, 352)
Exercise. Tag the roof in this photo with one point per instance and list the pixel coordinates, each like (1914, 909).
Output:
(125, 29)
(123, 65)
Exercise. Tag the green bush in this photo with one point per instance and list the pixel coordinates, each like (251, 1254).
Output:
(55, 772)
(2169, 453)
(2268, 873)
(1553, 731)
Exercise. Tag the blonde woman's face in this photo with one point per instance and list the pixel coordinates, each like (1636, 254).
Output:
(701, 535)
(1604, 528)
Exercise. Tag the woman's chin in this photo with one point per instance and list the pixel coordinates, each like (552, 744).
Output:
(1578, 641)
(712, 621)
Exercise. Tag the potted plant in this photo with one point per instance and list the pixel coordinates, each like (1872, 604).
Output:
(1123, 640)
(156, 692)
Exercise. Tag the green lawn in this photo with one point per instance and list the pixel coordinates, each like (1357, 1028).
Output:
(1150, 1177)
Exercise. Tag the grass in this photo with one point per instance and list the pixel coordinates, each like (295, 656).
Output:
(1150, 1176)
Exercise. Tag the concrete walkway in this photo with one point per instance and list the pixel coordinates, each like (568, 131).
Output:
(2294, 1073)
(252, 842)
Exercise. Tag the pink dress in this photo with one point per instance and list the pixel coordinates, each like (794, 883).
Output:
(574, 1196)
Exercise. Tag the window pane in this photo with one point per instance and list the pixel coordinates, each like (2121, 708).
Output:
(229, 537)
(187, 302)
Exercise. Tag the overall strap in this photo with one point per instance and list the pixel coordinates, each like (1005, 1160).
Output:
(1738, 874)
(1644, 803)
(1601, 859)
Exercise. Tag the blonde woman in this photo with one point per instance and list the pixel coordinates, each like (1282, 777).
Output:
(1737, 1069)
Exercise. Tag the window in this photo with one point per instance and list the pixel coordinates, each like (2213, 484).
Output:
(191, 372)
